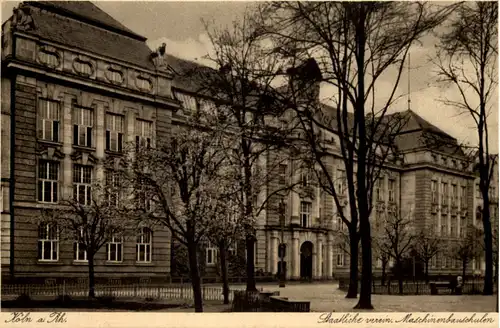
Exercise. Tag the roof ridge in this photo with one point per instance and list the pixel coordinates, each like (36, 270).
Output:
(87, 12)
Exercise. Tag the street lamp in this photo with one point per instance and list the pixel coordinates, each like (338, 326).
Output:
(282, 246)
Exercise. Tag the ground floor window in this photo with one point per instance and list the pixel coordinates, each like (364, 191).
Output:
(211, 254)
(115, 249)
(144, 245)
(48, 242)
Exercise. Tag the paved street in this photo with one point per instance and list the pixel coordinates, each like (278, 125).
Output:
(326, 297)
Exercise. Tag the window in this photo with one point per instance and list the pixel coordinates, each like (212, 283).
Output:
(305, 214)
(115, 76)
(435, 223)
(434, 192)
(48, 176)
(340, 224)
(113, 187)
(444, 193)
(463, 227)
(82, 67)
(454, 227)
(478, 191)
(188, 102)
(341, 182)
(143, 133)
(444, 225)
(82, 189)
(454, 195)
(304, 178)
(144, 245)
(143, 196)
(49, 58)
(392, 184)
(434, 261)
(114, 132)
(379, 263)
(232, 249)
(211, 253)
(282, 174)
(48, 123)
(48, 242)
(114, 248)
(79, 247)
(340, 258)
(463, 200)
(379, 190)
(83, 120)
(143, 83)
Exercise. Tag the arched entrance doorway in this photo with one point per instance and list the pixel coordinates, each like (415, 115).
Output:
(306, 260)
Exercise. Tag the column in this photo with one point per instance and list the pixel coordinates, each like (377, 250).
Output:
(66, 131)
(99, 141)
(329, 260)
(320, 258)
(315, 261)
(274, 253)
(295, 219)
(296, 256)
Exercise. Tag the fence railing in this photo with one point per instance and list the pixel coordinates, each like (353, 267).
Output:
(181, 292)
(417, 287)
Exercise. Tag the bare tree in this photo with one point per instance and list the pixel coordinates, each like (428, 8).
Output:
(354, 45)
(467, 61)
(241, 93)
(396, 241)
(97, 212)
(464, 249)
(226, 227)
(427, 247)
(176, 186)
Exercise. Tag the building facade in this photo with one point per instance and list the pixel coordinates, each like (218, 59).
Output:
(77, 85)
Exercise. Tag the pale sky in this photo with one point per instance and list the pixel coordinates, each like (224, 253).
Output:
(179, 25)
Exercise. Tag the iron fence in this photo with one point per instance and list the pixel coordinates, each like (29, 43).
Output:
(180, 292)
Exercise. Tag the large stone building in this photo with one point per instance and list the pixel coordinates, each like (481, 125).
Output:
(77, 84)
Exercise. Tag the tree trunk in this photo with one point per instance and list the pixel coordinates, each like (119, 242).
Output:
(488, 249)
(427, 271)
(250, 242)
(195, 276)
(384, 267)
(399, 271)
(464, 269)
(223, 270)
(363, 201)
(352, 291)
(91, 275)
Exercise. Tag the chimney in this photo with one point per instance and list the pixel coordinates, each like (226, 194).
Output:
(304, 81)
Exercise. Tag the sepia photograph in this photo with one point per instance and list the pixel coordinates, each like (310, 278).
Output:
(337, 157)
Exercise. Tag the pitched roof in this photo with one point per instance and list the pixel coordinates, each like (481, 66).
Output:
(60, 28)
(86, 11)
(417, 122)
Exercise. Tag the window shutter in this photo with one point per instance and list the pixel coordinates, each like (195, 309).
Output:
(120, 141)
(89, 136)
(107, 140)
(55, 127)
(75, 134)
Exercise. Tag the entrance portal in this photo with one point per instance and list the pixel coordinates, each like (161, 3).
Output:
(306, 260)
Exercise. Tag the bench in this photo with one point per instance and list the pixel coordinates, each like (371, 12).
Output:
(282, 304)
(435, 286)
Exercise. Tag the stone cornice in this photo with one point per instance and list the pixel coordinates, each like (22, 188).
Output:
(425, 165)
(32, 68)
(82, 51)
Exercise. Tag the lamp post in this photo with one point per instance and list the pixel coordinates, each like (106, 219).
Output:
(282, 244)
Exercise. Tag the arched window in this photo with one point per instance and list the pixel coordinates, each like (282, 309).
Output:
(144, 245)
